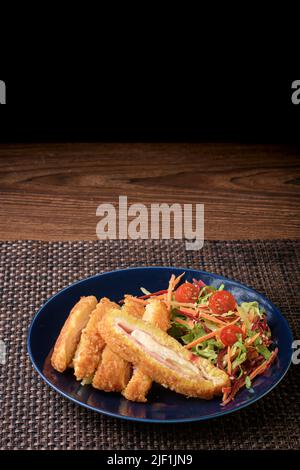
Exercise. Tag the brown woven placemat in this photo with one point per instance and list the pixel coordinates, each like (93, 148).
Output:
(33, 416)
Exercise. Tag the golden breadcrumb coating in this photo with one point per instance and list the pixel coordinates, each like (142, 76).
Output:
(179, 375)
(138, 387)
(91, 344)
(156, 313)
(113, 373)
(69, 336)
(133, 306)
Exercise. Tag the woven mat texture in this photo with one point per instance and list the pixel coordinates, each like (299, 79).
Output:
(33, 416)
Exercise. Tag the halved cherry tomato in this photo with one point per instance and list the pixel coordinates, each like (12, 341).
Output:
(221, 302)
(228, 334)
(187, 293)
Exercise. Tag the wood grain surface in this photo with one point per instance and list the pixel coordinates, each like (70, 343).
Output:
(51, 191)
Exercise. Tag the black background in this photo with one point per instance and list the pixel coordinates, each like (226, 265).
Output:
(211, 459)
(119, 106)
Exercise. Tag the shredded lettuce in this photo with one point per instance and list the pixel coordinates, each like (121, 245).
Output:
(238, 344)
(263, 350)
(145, 291)
(194, 333)
(243, 313)
(216, 343)
(251, 307)
(239, 360)
(176, 330)
(211, 325)
(207, 352)
(206, 292)
(248, 382)
(228, 314)
(258, 341)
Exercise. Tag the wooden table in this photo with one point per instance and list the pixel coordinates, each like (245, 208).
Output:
(51, 191)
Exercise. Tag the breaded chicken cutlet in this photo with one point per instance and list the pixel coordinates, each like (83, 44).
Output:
(156, 313)
(69, 336)
(161, 357)
(113, 373)
(88, 353)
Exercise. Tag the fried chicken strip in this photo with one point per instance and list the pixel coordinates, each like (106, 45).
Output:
(156, 313)
(88, 353)
(161, 357)
(69, 336)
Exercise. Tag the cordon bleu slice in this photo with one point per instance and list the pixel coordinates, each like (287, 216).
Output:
(161, 357)
(113, 372)
(156, 313)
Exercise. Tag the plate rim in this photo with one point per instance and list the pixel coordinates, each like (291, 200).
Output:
(155, 420)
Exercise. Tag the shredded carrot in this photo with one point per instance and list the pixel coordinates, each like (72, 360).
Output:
(154, 294)
(226, 391)
(244, 329)
(188, 310)
(189, 305)
(183, 322)
(177, 279)
(229, 364)
(170, 290)
(190, 315)
(202, 314)
(211, 318)
(260, 369)
(182, 304)
(233, 393)
(252, 339)
(200, 340)
(172, 284)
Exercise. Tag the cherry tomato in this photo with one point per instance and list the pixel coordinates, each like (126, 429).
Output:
(187, 293)
(228, 334)
(221, 302)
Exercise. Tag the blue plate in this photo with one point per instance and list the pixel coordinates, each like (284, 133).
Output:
(163, 405)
